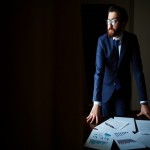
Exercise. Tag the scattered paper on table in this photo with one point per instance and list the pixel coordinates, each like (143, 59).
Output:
(144, 139)
(110, 125)
(99, 140)
(143, 126)
(116, 124)
(131, 123)
(127, 140)
(120, 129)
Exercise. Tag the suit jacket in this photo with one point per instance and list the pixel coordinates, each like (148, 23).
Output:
(108, 70)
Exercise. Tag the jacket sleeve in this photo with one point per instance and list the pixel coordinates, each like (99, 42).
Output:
(99, 72)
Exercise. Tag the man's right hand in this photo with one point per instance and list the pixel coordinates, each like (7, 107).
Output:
(95, 114)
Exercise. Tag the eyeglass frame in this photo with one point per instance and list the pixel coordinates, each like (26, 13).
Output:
(112, 21)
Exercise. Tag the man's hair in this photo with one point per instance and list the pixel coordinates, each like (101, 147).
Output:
(121, 11)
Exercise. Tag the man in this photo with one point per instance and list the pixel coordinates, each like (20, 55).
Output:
(112, 79)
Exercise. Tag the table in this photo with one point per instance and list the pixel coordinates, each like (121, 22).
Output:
(89, 127)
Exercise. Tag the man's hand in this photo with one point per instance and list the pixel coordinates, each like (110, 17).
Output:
(94, 115)
(145, 110)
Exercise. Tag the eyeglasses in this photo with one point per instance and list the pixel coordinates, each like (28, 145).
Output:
(111, 22)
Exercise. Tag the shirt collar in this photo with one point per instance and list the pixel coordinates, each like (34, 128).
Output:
(118, 37)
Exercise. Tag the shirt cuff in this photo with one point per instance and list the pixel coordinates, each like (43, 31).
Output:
(97, 103)
(143, 102)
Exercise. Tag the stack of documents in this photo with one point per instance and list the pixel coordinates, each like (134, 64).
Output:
(122, 131)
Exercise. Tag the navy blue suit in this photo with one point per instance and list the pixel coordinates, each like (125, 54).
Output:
(108, 70)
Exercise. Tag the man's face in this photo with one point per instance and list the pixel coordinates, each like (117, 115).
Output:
(114, 27)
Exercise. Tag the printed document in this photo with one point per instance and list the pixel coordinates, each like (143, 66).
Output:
(131, 123)
(143, 126)
(99, 140)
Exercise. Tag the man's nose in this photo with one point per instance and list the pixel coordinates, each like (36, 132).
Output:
(110, 26)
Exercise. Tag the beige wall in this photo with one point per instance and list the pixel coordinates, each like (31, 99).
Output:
(141, 28)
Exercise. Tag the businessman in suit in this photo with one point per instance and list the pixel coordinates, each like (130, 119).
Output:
(117, 51)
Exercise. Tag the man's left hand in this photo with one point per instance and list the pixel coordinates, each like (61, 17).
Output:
(145, 110)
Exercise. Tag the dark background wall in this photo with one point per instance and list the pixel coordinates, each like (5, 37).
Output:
(93, 25)
(41, 105)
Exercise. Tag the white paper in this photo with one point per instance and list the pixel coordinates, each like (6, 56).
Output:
(103, 127)
(124, 136)
(144, 139)
(99, 140)
(127, 140)
(131, 123)
(143, 126)
(116, 124)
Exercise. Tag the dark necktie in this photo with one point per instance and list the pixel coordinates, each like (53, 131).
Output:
(116, 45)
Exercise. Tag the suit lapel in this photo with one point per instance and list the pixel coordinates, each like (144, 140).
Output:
(111, 43)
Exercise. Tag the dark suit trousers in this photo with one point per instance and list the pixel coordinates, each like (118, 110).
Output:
(116, 106)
